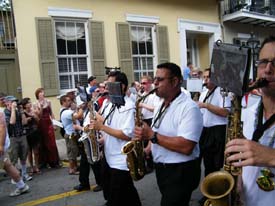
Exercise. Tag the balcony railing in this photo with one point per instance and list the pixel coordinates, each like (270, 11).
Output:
(7, 29)
(266, 7)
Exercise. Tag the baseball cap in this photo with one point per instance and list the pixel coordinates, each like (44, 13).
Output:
(91, 78)
(11, 98)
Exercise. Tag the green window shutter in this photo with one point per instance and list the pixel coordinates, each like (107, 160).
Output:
(97, 45)
(125, 50)
(47, 57)
(163, 44)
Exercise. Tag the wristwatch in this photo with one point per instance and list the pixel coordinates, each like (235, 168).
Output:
(154, 139)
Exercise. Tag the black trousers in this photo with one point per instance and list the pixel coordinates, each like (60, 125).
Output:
(84, 170)
(118, 187)
(177, 181)
(212, 143)
(148, 159)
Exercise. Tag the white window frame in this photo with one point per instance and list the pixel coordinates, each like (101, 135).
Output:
(87, 55)
(185, 25)
(135, 19)
(81, 15)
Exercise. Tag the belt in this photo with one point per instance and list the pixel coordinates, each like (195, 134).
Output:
(173, 165)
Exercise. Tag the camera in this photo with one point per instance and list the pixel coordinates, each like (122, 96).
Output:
(111, 69)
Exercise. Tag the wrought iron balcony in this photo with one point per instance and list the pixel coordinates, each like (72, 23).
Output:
(256, 12)
(7, 29)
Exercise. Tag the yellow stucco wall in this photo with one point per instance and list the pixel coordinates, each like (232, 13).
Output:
(108, 11)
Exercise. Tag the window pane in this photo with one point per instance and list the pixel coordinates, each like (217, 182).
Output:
(65, 82)
(149, 46)
(75, 65)
(150, 65)
(63, 65)
(80, 26)
(136, 76)
(81, 79)
(81, 46)
(143, 63)
(134, 47)
(82, 64)
(71, 47)
(135, 62)
(61, 46)
(142, 49)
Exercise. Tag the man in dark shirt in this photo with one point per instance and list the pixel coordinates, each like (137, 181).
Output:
(15, 120)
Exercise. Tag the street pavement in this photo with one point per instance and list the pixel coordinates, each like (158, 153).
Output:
(54, 187)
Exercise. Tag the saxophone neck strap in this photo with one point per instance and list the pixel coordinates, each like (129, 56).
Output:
(258, 133)
(209, 93)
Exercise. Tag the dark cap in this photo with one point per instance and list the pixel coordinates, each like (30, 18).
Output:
(91, 78)
(11, 98)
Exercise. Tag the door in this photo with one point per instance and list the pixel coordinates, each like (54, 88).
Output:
(9, 78)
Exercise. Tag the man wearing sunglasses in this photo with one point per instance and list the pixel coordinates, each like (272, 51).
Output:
(256, 153)
(174, 133)
(148, 104)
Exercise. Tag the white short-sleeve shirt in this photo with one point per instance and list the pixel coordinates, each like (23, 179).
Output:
(210, 119)
(122, 119)
(253, 195)
(181, 118)
(152, 100)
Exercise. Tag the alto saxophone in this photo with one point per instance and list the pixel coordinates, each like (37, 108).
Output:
(90, 138)
(221, 186)
(134, 149)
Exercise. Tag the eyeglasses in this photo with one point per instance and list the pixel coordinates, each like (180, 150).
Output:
(160, 79)
(262, 63)
(144, 83)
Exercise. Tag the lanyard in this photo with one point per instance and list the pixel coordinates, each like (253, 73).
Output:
(209, 94)
(258, 133)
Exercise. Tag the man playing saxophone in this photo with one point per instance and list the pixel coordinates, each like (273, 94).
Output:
(117, 125)
(256, 153)
(175, 133)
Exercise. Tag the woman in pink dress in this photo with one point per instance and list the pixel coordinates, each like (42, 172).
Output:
(48, 149)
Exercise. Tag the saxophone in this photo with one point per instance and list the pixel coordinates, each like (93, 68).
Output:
(134, 149)
(90, 138)
(221, 186)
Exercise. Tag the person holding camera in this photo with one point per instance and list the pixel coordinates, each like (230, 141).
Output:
(15, 120)
(21, 186)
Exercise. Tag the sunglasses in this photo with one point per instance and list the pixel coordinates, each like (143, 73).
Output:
(143, 83)
(160, 79)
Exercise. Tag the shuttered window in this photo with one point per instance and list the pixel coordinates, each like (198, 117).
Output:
(72, 57)
(97, 45)
(125, 50)
(142, 50)
(64, 53)
(163, 44)
(47, 58)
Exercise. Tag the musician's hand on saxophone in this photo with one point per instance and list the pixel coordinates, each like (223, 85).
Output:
(250, 153)
(96, 124)
(144, 132)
